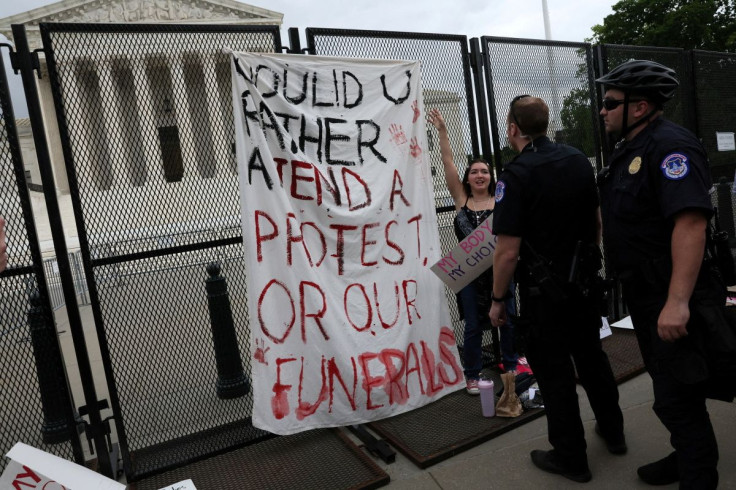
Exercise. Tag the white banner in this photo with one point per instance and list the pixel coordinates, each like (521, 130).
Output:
(348, 323)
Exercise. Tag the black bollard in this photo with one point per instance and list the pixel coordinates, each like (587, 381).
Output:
(231, 379)
(725, 209)
(55, 400)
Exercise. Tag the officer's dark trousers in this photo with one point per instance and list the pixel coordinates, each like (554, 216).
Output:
(560, 333)
(679, 400)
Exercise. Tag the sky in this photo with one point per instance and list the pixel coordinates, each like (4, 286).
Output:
(570, 20)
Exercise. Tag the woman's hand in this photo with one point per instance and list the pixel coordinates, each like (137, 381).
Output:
(436, 119)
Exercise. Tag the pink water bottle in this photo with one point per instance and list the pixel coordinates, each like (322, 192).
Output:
(487, 399)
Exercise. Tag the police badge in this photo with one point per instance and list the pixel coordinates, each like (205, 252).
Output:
(635, 165)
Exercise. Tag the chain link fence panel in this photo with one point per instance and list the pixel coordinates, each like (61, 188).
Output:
(447, 86)
(35, 401)
(146, 120)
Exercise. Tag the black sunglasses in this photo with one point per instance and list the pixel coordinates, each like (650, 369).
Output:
(611, 104)
(511, 107)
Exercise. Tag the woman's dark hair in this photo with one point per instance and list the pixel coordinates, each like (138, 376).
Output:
(466, 183)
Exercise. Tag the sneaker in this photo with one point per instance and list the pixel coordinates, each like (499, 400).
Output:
(471, 386)
(545, 461)
(662, 472)
(615, 445)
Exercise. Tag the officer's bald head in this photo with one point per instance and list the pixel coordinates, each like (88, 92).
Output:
(531, 115)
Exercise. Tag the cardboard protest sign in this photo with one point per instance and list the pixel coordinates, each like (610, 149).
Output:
(469, 259)
(32, 468)
(348, 324)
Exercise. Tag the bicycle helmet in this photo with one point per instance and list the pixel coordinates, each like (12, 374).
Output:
(644, 77)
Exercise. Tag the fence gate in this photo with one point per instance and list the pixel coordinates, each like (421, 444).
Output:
(714, 77)
(562, 73)
(559, 72)
(447, 86)
(36, 406)
(145, 120)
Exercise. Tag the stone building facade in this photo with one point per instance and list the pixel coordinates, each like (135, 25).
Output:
(159, 85)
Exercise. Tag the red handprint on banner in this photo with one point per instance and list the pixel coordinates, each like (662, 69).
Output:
(260, 353)
(416, 150)
(397, 134)
(415, 108)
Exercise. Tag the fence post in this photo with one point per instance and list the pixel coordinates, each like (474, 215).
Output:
(55, 401)
(231, 379)
(476, 63)
(295, 46)
(27, 63)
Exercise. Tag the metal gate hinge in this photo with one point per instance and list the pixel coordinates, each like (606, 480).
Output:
(15, 60)
(101, 405)
(35, 63)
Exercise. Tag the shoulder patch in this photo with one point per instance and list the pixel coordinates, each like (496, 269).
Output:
(675, 166)
(500, 190)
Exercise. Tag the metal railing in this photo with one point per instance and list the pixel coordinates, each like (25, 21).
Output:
(53, 279)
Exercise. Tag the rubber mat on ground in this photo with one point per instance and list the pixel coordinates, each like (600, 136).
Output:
(315, 459)
(446, 427)
(623, 353)
(455, 424)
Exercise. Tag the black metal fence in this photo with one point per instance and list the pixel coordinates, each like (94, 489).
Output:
(153, 182)
(447, 77)
(36, 405)
(53, 279)
(559, 72)
(151, 215)
(714, 77)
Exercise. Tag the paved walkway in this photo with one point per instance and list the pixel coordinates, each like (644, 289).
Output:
(504, 463)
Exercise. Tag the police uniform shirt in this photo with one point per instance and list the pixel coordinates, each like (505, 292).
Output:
(662, 171)
(548, 197)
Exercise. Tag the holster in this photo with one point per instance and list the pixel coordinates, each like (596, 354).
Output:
(541, 279)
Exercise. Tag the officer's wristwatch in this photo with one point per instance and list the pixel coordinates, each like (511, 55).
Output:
(501, 299)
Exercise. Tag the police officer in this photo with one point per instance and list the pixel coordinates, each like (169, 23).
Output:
(546, 210)
(656, 207)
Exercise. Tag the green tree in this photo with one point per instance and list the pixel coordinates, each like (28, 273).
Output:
(577, 117)
(689, 24)
(577, 121)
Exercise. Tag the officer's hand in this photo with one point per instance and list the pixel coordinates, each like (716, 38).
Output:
(672, 321)
(497, 314)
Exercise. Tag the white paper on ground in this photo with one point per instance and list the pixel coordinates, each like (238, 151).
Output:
(182, 485)
(53, 469)
(605, 328)
(624, 323)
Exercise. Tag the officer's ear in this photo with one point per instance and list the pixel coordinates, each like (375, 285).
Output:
(641, 108)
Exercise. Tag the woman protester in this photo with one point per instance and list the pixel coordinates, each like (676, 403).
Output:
(474, 202)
